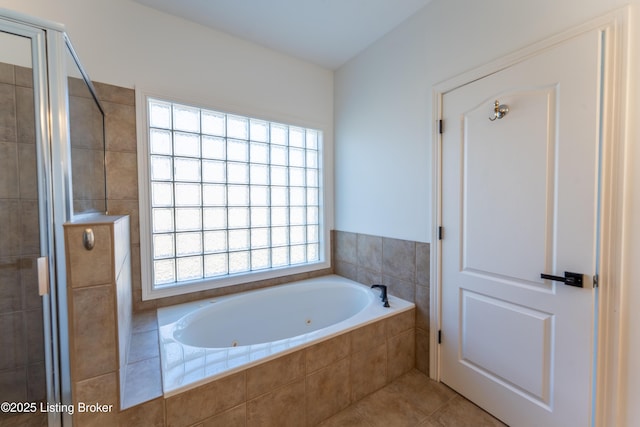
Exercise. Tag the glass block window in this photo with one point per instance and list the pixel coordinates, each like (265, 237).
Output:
(229, 194)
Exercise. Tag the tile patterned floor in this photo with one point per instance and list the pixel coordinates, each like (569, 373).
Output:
(413, 400)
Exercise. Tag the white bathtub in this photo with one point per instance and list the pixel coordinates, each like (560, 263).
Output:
(205, 340)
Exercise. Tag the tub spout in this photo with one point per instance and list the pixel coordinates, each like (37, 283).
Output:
(383, 294)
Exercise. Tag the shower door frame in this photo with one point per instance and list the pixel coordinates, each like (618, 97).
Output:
(55, 201)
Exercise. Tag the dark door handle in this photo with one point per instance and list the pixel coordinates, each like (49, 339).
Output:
(571, 279)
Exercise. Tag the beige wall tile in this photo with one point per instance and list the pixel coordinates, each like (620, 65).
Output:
(346, 417)
(127, 207)
(345, 269)
(401, 323)
(136, 280)
(144, 321)
(36, 382)
(88, 206)
(368, 336)
(87, 169)
(9, 228)
(423, 263)
(270, 375)
(6, 73)
(399, 259)
(10, 285)
(94, 328)
(149, 414)
(235, 417)
(139, 304)
(328, 391)
(78, 88)
(120, 129)
(8, 113)
(122, 176)
(29, 227)
(27, 171)
(143, 382)
(205, 401)
(103, 390)
(9, 178)
(422, 351)
(401, 354)
(144, 345)
(327, 352)
(422, 307)
(370, 252)
(368, 371)
(400, 288)
(13, 385)
(24, 76)
(368, 277)
(94, 267)
(35, 336)
(346, 247)
(12, 340)
(283, 407)
(25, 116)
(85, 123)
(117, 94)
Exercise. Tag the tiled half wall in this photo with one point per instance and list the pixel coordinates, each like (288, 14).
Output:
(402, 265)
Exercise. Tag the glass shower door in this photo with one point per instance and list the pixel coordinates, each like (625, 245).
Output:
(24, 230)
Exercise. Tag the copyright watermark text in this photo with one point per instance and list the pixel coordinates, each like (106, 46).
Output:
(32, 407)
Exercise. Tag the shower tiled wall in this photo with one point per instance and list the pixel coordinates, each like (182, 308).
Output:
(86, 135)
(122, 166)
(402, 265)
(22, 372)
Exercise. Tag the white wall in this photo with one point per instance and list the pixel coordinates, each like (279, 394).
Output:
(383, 114)
(124, 43)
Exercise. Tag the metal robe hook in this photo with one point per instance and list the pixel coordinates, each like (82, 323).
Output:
(499, 110)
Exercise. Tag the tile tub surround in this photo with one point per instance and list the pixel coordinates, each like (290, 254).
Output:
(402, 265)
(309, 312)
(411, 400)
(301, 388)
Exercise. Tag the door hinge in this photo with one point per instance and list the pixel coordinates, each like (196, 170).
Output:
(596, 281)
(440, 232)
(439, 336)
(440, 126)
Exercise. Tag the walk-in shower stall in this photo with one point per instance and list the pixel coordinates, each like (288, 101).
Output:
(51, 129)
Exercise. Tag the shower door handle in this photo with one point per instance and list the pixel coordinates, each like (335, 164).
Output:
(43, 275)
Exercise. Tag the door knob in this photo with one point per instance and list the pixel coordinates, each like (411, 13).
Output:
(571, 279)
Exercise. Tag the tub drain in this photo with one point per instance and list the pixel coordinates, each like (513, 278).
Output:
(234, 344)
(308, 321)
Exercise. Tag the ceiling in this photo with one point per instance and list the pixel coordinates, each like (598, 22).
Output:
(325, 32)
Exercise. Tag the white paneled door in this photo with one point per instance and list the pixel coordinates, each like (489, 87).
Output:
(520, 199)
